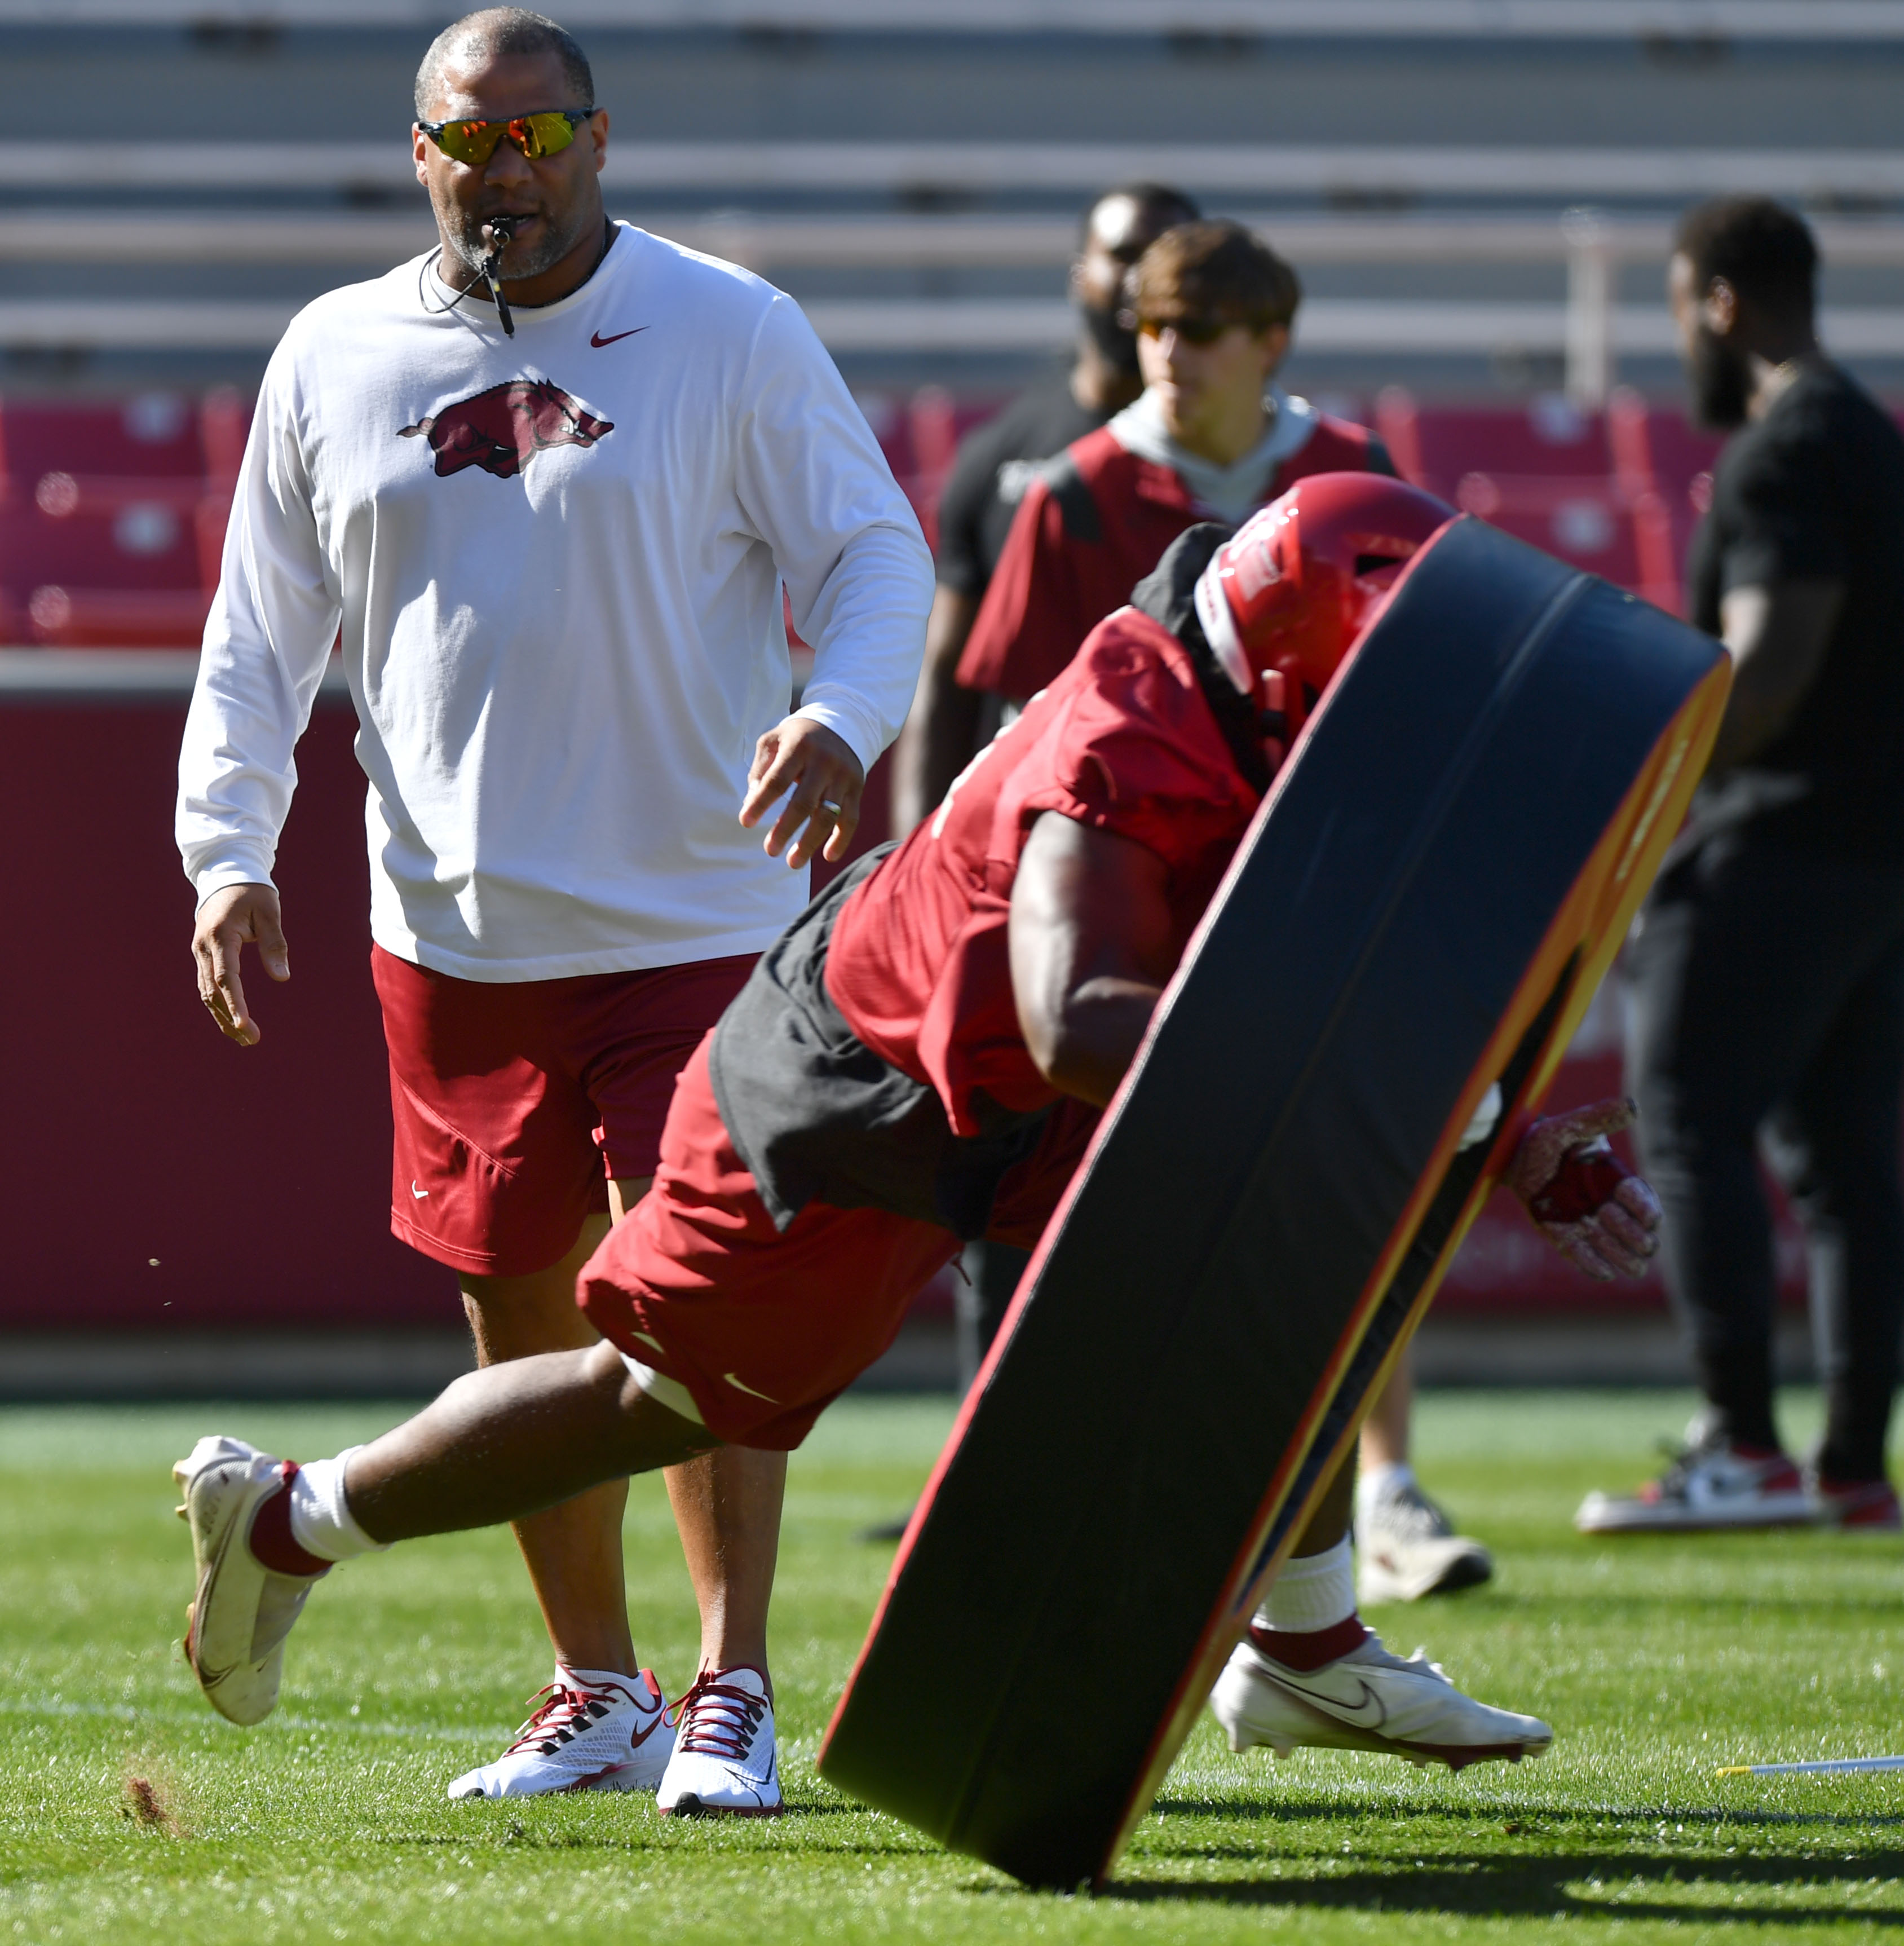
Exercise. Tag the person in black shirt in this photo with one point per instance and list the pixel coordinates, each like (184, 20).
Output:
(996, 462)
(948, 725)
(1767, 969)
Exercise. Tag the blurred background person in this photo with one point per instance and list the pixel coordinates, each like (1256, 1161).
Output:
(1212, 437)
(995, 464)
(1211, 308)
(1766, 970)
(1406, 1545)
(949, 724)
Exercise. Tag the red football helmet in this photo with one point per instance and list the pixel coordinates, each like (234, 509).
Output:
(1285, 597)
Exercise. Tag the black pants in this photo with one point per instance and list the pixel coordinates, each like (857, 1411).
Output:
(1767, 986)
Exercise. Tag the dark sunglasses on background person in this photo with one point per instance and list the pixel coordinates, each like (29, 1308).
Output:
(1191, 330)
(474, 143)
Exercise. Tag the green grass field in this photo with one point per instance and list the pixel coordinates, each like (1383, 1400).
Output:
(1655, 1663)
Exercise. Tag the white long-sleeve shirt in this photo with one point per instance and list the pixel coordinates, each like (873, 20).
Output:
(557, 561)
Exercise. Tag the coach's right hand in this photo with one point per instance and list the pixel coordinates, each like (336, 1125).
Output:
(225, 922)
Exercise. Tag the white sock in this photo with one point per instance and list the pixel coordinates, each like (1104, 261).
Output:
(321, 1521)
(1314, 1591)
(1381, 1483)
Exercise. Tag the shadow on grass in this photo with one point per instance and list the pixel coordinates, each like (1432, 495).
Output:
(1532, 1818)
(1521, 1886)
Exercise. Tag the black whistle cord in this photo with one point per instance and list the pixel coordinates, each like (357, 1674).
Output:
(501, 231)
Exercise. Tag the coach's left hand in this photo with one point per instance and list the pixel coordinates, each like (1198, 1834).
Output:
(1600, 1216)
(827, 781)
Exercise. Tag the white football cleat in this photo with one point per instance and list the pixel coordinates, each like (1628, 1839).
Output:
(586, 1736)
(1368, 1700)
(1711, 1485)
(242, 1610)
(1406, 1547)
(725, 1763)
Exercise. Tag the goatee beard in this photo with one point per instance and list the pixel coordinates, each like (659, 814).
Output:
(1117, 346)
(1719, 383)
(467, 238)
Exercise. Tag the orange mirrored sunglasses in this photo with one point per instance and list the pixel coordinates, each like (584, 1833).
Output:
(474, 143)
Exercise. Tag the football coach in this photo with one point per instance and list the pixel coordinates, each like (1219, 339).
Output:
(549, 480)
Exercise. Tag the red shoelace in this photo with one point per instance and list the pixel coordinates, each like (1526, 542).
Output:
(567, 1714)
(716, 1719)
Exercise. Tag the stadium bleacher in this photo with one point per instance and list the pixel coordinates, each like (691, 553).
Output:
(112, 516)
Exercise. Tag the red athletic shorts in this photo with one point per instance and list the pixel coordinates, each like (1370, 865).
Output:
(514, 1103)
(766, 1328)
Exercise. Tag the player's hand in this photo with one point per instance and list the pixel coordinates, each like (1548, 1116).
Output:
(1600, 1216)
(226, 922)
(826, 780)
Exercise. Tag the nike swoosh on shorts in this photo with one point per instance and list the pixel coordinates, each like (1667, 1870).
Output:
(418, 1193)
(599, 342)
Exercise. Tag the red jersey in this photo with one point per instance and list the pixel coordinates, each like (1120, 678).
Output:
(1091, 525)
(1124, 740)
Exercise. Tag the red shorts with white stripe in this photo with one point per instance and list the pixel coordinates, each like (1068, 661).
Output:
(515, 1102)
(766, 1328)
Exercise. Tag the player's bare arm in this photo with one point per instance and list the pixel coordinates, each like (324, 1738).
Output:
(1091, 949)
(1776, 637)
(228, 921)
(821, 816)
(936, 741)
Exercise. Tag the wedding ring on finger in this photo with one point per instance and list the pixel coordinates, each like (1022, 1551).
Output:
(833, 808)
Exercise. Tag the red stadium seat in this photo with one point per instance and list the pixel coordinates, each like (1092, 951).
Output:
(70, 546)
(93, 618)
(1586, 521)
(1434, 446)
(114, 540)
(1666, 465)
(1618, 493)
(225, 424)
(152, 433)
(112, 516)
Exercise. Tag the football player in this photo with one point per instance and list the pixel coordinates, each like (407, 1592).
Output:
(921, 1059)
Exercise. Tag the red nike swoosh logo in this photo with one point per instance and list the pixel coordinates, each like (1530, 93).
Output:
(597, 340)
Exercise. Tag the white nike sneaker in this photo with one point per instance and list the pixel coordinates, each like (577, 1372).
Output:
(1711, 1485)
(592, 1736)
(725, 1763)
(242, 1610)
(1406, 1547)
(1368, 1700)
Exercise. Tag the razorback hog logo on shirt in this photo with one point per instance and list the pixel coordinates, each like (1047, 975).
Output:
(503, 429)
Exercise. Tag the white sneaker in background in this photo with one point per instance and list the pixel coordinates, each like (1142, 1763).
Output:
(1406, 1547)
(1711, 1484)
(1368, 1700)
(725, 1763)
(601, 1734)
(242, 1610)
